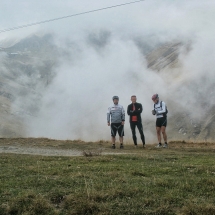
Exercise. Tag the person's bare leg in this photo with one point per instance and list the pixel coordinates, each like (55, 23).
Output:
(121, 140)
(158, 134)
(113, 140)
(163, 130)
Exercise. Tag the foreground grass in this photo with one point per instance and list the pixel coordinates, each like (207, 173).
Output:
(151, 181)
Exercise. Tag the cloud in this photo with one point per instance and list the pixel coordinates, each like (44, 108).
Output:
(105, 56)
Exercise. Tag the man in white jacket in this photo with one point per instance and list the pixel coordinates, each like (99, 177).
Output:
(160, 110)
(116, 119)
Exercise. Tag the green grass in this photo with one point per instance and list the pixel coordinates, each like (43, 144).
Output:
(151, 181)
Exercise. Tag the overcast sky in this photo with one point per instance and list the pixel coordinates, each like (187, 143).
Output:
(150, 16)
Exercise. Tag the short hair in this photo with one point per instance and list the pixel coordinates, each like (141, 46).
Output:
(133, 96)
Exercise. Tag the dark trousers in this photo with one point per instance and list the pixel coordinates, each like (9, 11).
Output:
(133, 130)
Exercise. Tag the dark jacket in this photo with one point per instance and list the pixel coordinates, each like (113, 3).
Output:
(137, 112)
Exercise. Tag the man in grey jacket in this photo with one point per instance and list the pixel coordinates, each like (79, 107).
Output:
(116, 119)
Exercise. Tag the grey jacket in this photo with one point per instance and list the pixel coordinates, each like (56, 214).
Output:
(116, 113)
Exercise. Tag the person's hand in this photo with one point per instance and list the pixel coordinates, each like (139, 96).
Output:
(108, 124)
(123, 122)
(153, 112)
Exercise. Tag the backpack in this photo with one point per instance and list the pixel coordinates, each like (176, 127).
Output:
(161, 108)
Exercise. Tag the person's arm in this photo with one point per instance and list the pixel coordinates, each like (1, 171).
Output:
(139, 109)
(108, 116)
(163, 110)
(123, 116)
(153, 110)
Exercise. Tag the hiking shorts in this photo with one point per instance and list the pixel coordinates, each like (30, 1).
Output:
(161, 122)
(117, 127)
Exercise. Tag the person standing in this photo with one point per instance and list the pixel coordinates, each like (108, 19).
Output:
(116, 120)
(160, 111)
(134, 110)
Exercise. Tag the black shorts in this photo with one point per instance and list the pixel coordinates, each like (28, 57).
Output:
(161, 122)
(117, 127)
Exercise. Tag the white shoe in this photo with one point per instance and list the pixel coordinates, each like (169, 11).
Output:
(159, 146)
(165, 145)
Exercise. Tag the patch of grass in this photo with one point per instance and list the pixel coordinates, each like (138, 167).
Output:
(29, 204)
(148, 181)
(196, 209)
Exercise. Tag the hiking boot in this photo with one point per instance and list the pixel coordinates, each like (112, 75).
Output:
(159, 146)
(121, 146)
(144, 146)
(113, 146)
(165, 145)
(135, 145)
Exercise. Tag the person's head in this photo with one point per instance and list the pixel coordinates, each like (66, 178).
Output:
(115, 100)
(155, 98)
(133, 99)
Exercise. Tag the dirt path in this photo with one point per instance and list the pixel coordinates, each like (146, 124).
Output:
(40, 151)
(51, 147)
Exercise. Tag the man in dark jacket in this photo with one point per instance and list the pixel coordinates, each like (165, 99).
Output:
(134, 110)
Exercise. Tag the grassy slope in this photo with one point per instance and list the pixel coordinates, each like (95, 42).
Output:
(179, 180)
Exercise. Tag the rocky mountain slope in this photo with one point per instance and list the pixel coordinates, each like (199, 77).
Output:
(26, 68)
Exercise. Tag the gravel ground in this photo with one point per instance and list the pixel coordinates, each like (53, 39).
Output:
(40, 151)
(51, 147)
